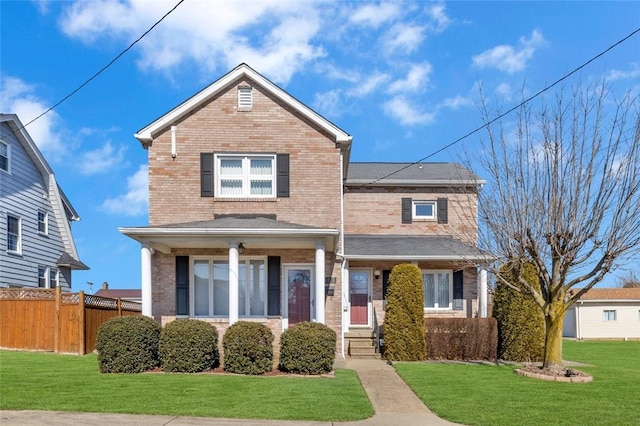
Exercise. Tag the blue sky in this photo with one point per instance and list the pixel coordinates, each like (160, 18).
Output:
(401, 77)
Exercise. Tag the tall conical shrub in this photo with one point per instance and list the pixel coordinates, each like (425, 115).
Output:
(404, 332)
(520, 319)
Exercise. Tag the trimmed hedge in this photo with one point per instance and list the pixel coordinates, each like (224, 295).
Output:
(128, 344)
(248, 348)
(520, 320)
(307, 348)
(462, 338)
(404, 335)
(188, 346)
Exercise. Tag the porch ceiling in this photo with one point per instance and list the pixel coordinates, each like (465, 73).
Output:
(252, 232)
(409, 247)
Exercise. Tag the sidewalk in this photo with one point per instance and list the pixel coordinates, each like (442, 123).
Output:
(393, 401)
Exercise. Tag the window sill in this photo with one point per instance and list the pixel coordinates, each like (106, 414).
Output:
(14, 253)
(246, 199)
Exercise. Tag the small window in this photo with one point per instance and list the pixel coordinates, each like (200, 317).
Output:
(42, 277)
(609, 315)
(4, 156)
(241, 176)
(43, 222)
(245, 98)
(53, 278)
(438, 289)
(424, 210)
(14, 234)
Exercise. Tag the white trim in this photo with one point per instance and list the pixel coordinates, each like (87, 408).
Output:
(146, 134)
(245, 176)
(320, 279)
(145, 272)
(418, 218)
(18, 249)
(8, 145)
(413, 258)
(435, 272)
(151, 232)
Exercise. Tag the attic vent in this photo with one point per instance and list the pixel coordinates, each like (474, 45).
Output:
(245, 98)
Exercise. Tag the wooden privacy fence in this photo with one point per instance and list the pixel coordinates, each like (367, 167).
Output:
(52, 320)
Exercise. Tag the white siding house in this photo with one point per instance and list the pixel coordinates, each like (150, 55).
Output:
(36, 244)
(605, 313)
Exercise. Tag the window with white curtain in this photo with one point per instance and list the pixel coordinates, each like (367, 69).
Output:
(246, 176)
(438, 289)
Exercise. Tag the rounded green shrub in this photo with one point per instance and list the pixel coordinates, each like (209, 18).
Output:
(128, 344)
(404, 330)
(248, 348)
(520, 320)
(188, 346)
(307, 348)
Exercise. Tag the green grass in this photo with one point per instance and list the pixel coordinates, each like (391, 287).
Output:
(45, 381)
(494, 395)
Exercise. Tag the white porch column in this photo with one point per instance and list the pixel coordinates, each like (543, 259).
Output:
(233, 282)
(145, 277)
(482, 294)
(320, 282)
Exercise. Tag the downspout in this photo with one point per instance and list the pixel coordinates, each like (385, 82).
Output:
(341, 253)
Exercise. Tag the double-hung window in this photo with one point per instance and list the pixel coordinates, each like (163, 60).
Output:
(42, 277)
(211, 288)
(424, 210)
(14, 234)
(43, 222)
(246, 176)
(438, 289)
(53, 278)
(609, 315)
(4, 156)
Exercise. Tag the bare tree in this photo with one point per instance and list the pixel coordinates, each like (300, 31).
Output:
(563, 194)
(631, 280)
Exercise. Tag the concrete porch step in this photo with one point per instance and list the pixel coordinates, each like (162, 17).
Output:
(361, 344)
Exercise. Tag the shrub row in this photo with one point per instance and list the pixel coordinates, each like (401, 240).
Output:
(138, 344)
(461, 338)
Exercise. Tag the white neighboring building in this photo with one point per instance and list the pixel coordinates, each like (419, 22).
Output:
(605, 313)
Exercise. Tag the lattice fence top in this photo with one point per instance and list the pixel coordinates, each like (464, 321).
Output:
(27, 293)
(70, 298)
(100, 302)
(128, 305)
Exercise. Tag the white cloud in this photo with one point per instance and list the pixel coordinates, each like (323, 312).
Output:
(438, 15)
(406, 112)
(369, 85)
(510, 59)
(100, 160)
(504, 91)
(373, 15)
(17, 97)
(135, 201)
(274, 36)
(456, 102)
(416, 80)
(403, 38)
(328, 103)
(614, 75)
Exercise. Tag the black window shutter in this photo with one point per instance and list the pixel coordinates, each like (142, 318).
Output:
(458, 294)
(443, 213)
(206, 174)
(407, 210)
(273, 285)
(182, 285)
(283, 175)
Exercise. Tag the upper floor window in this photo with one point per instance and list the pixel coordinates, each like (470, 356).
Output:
(609, 315)
(14, 234)
(43, 222)
(424, 210)
(243, 176)
(42, 277)
(4, 156)
(53, 278)
(438, 289)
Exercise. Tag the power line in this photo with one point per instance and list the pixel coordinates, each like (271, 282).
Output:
(461, 138)
(106, 66)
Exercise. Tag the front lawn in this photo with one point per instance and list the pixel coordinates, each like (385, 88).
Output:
(45, 381)
(494, 395)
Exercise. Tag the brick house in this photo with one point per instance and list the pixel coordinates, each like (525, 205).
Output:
(256, 213)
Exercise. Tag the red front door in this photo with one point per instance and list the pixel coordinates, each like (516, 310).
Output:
(299, 295)
(359, 296)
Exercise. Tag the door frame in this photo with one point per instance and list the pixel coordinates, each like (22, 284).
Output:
(369, 297)
(285, 293)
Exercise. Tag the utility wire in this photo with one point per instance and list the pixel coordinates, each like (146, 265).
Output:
(106, 66)
(461, 138)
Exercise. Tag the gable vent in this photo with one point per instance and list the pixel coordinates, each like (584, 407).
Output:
(245, 98)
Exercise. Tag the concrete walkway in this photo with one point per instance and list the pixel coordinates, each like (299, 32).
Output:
(393, 401)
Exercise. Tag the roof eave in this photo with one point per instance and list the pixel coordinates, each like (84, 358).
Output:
(416, 257)
(412, 182)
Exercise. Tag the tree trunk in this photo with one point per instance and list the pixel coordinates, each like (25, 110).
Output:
(553, 339)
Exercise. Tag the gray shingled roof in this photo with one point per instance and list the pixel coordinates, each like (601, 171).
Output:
(68, 261)
(408, 247)
(240, 222)
(408, 173)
